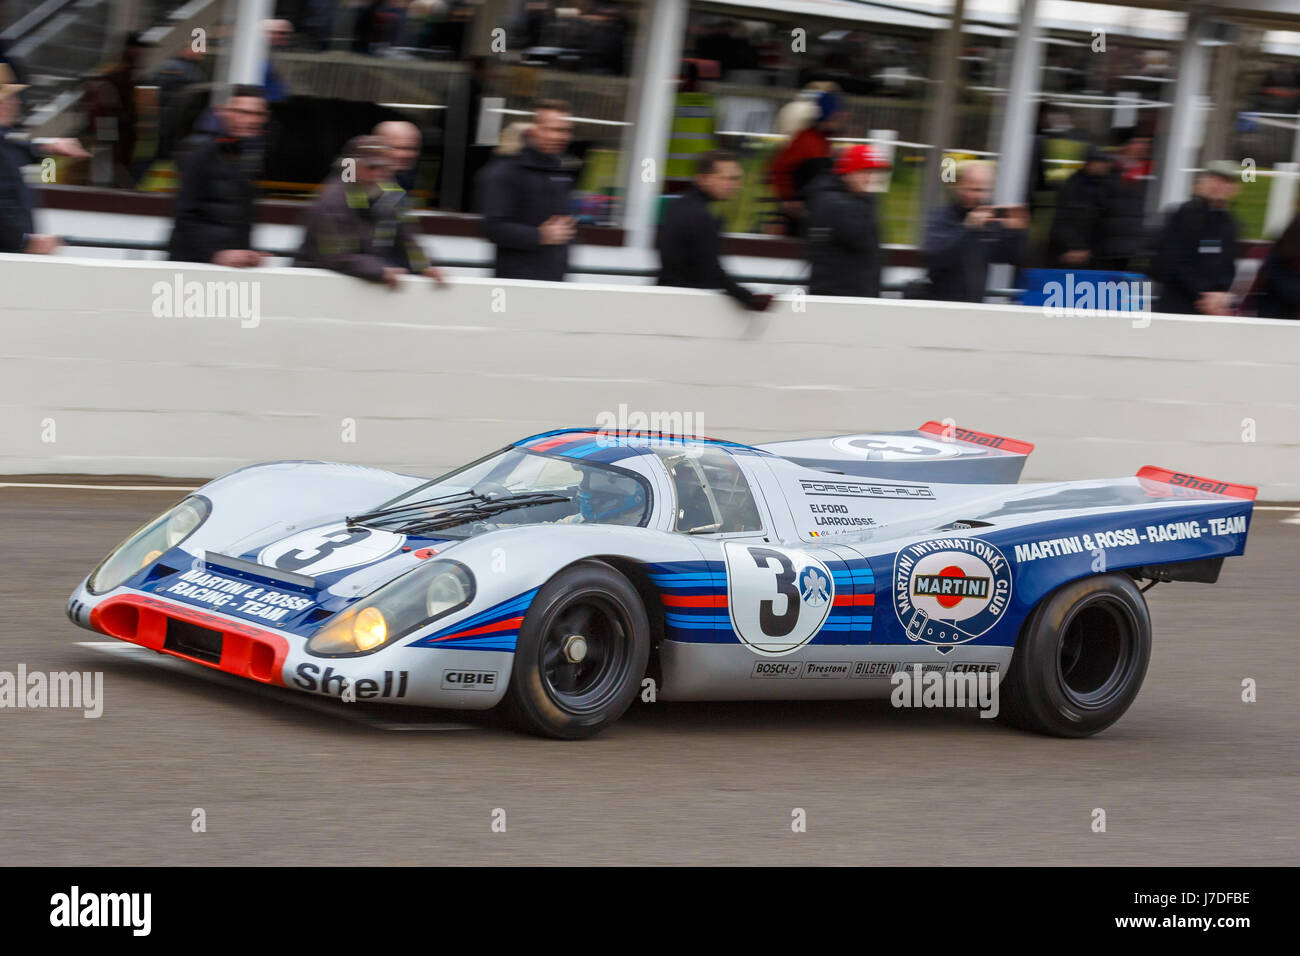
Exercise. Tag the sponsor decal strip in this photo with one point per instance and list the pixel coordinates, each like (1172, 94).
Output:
(1091, 542)
(864, 489)
(198, 586)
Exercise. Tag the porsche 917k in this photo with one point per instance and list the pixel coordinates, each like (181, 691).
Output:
(557, 575)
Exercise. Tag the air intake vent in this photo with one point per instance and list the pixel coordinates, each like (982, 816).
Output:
(193, 641)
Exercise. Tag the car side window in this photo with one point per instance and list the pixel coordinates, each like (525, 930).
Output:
(711, 493)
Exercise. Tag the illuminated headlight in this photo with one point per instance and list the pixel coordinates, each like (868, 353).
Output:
(148, 544)
(395, 610)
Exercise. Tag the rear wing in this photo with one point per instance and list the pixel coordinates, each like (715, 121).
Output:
(1163, 483)
(952, 432)
(936, 451)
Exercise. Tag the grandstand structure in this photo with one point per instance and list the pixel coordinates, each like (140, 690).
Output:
(946, 77)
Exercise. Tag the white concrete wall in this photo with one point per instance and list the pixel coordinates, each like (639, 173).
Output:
(433, 378)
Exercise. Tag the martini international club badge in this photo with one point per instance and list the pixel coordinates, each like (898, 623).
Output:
(949, 591)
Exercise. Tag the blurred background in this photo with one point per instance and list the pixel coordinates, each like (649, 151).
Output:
(1163, 86)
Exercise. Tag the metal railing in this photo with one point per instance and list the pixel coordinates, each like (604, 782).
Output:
(132, 245)
(888, 290)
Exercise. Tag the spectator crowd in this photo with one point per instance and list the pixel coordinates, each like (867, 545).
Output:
(828, 192)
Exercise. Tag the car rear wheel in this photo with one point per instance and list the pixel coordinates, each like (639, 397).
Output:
(1080, 659)
(581, 654)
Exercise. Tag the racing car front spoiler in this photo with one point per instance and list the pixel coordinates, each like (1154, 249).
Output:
(193, 635)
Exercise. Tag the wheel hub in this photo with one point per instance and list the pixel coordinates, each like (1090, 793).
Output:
(575, 648)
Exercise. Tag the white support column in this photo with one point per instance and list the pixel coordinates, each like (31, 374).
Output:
(1281, 200)
(249, 48)
(1016, 143)
(1187, 118)
(652, 99)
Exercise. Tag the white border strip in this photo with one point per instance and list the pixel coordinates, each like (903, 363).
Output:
(45, 484)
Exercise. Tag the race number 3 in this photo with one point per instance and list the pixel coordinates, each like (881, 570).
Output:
(331, 548)
(306, 557)
(778, 597)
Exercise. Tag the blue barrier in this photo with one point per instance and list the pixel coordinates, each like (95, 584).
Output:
(1083, 290)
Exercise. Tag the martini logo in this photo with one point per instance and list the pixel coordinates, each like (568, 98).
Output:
(949, 586)
(950, 590)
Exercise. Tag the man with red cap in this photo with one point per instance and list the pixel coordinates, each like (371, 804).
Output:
(843, 237)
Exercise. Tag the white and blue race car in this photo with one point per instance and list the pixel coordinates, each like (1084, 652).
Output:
(562, 574)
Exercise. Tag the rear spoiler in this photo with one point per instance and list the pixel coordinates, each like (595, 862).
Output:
(936, 451)
(951, 432)
(1174, 482)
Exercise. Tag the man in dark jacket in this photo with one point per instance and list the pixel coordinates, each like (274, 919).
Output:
(1126, 242)
(1082, 205)
(963, 238)
(1196, 255)
(843, 238)
(214, 208)
(525, 200)
(358, 224)
(17, 204)
(690, 236)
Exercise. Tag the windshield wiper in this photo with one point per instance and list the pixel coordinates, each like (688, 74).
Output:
(466, 505)
(382, 515)
(487, 508)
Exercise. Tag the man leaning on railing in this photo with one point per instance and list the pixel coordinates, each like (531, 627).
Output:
(358, 223)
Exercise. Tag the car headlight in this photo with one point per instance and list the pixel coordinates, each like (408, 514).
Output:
(395, 610)
(148, 544)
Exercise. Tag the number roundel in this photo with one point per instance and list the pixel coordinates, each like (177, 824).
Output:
(895, 447)
(778, 597)
(331, 548)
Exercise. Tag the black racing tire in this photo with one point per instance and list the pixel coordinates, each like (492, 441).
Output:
(553, 696)
(1080, 659)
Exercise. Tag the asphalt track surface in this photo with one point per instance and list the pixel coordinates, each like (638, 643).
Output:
(1191, 775)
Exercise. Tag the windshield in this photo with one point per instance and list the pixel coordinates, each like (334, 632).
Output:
(511, 488)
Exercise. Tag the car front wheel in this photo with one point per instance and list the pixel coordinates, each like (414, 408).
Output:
(581, 654)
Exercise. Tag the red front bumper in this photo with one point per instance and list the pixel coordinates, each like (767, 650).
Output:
(246, 651)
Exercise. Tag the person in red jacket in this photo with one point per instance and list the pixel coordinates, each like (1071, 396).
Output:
(804, 157)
